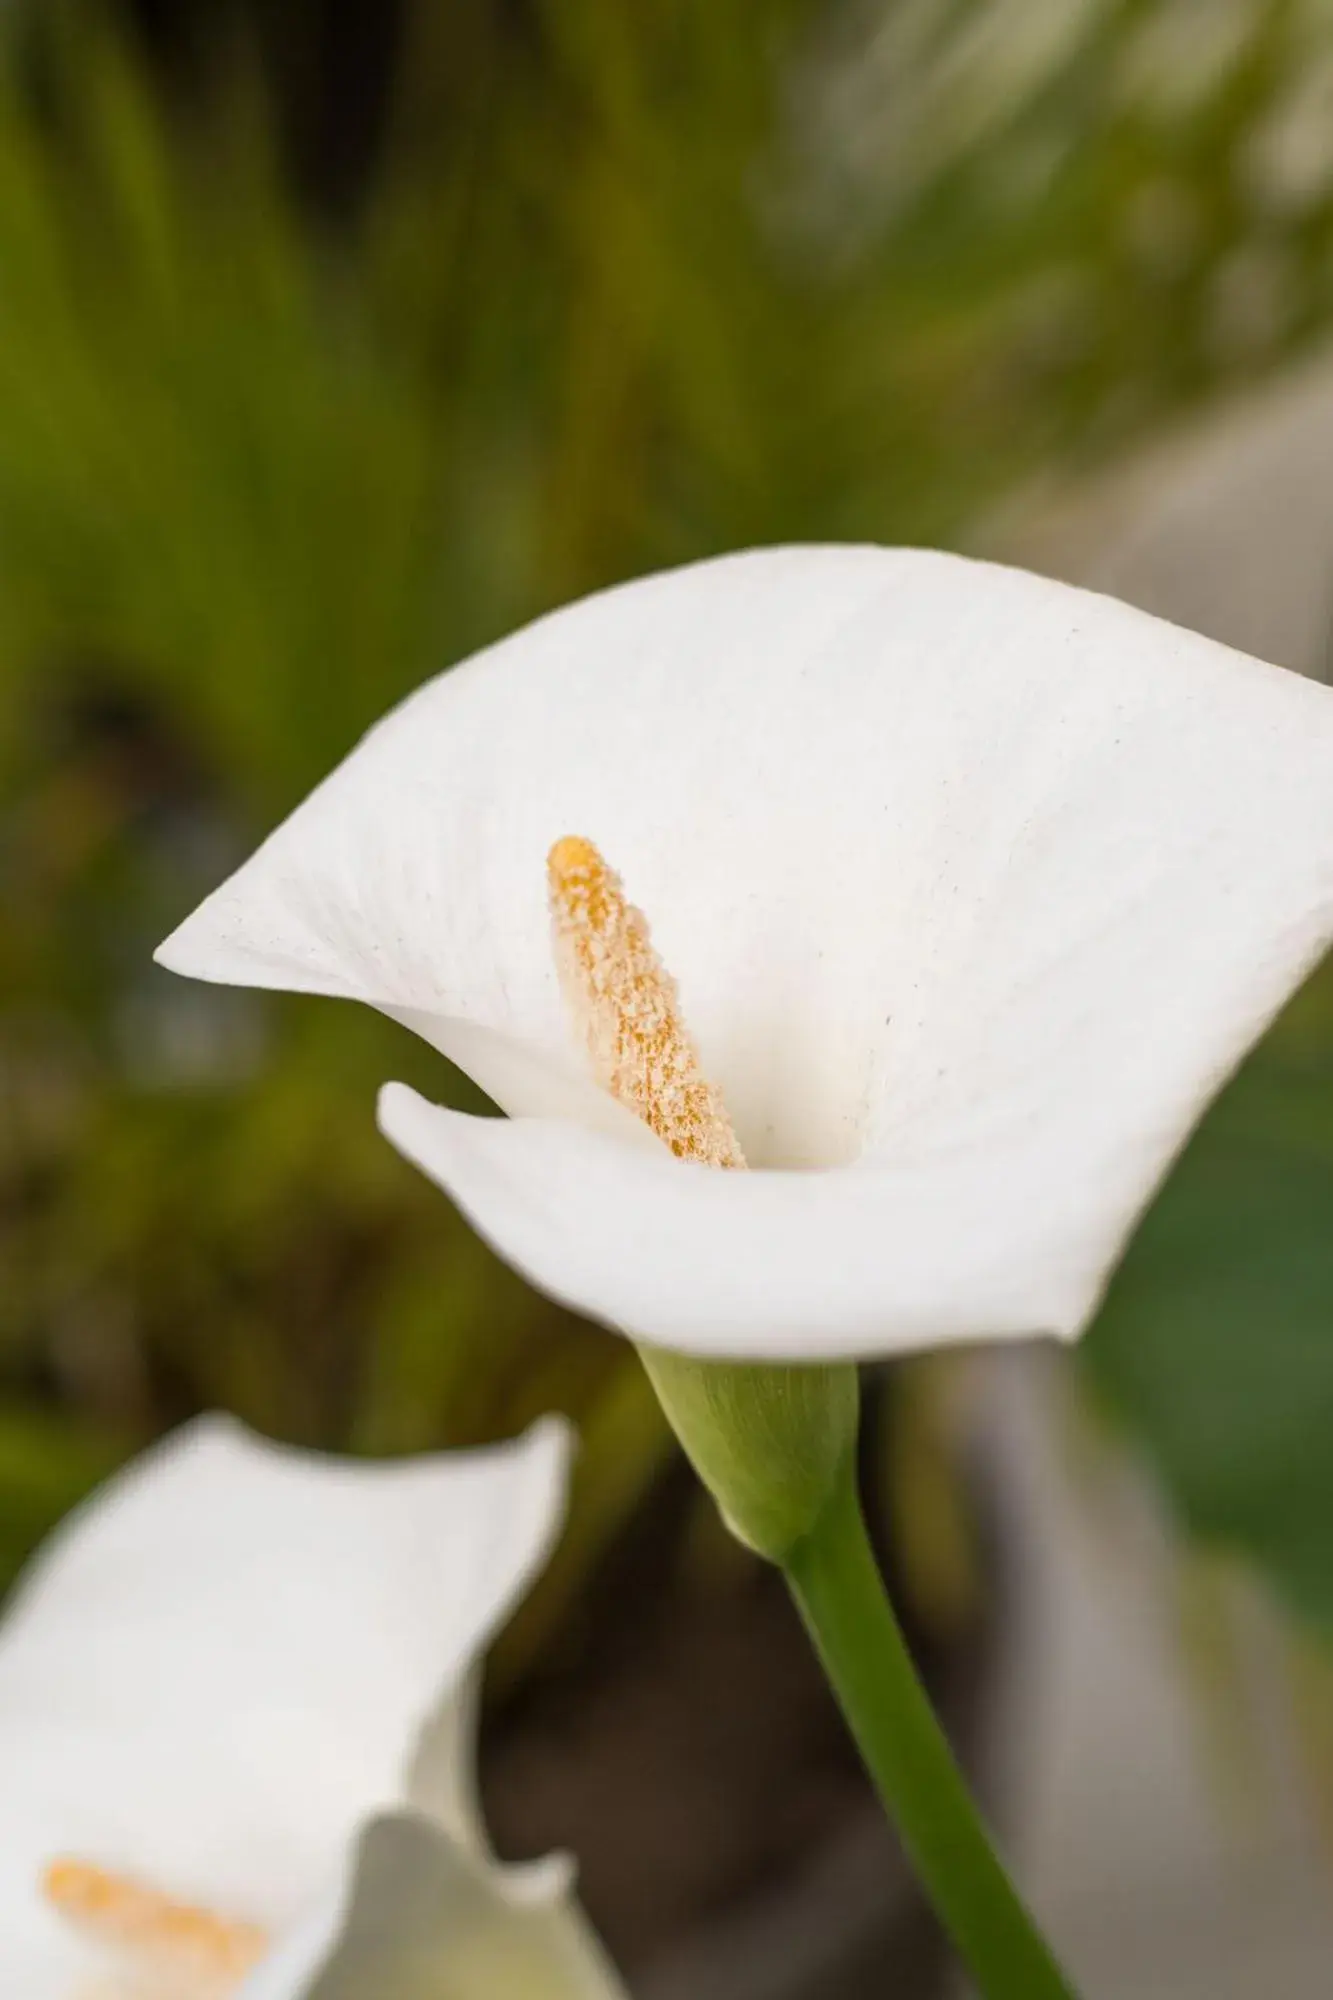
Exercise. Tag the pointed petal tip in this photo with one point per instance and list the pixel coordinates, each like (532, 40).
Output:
(537, 1884)
(547, 1449)
(201, 947)
(165, 954)
(413, 1125)
(393, 1107)
(552, 1438)
(181, 950)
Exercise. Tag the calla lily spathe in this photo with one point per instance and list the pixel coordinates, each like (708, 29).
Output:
(974, 886)
(234, 1713)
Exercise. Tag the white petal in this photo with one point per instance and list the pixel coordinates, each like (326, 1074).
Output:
(985, 879)
(857, 1260)
(442, 1782)
(422, 1918)
(292, 1967)
(224, 1662)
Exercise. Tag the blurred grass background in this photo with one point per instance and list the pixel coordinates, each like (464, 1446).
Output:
(337, 340)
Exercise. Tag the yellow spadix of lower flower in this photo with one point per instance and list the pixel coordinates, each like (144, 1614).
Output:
(768, 1442)
(176, 1942)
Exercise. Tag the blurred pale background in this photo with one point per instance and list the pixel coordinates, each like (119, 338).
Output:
(334, 341)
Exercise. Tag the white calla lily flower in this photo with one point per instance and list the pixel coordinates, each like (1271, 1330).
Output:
(235, 1733)
(974, 888)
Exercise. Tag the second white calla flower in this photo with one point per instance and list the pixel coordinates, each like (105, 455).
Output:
(235, 1734)
(974, 887)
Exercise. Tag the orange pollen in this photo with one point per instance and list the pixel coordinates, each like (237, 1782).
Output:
(621, 997)
(132, 1918)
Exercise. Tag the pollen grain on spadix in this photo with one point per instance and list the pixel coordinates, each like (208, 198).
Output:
(129, 1917)
(623, 1002)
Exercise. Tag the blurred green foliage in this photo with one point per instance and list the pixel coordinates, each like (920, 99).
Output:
(623, 286)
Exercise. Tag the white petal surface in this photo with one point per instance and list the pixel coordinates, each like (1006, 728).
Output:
(422, 1919)
(290, 1970)
(788, 1266)
(222, 1664)
(974, 879)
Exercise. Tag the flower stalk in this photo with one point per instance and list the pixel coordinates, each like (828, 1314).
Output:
(835, 1581)
(768, 1443)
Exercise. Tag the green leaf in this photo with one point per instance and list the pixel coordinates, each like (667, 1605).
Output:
(1215, 1346)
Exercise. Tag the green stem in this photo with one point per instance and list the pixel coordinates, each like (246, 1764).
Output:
(835, 1580)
